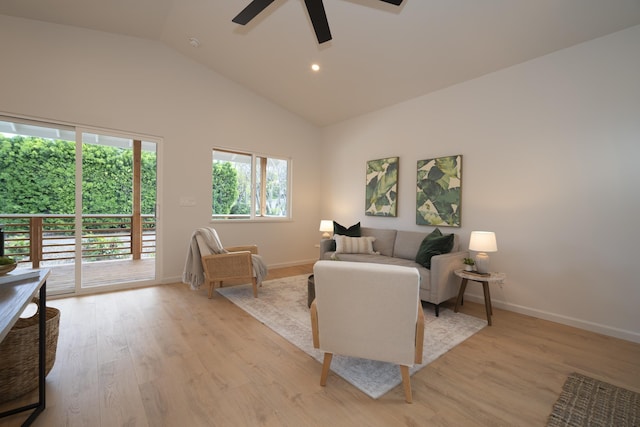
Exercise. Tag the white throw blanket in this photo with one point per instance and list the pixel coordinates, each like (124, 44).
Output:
(193, 273)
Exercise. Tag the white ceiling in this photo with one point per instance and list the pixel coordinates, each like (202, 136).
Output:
(380, 54)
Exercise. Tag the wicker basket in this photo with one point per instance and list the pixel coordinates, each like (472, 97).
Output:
(19, 354)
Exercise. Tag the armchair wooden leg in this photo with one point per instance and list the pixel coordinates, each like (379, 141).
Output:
(325, 368)
(406, 382)
(210, 289)
(254, 283)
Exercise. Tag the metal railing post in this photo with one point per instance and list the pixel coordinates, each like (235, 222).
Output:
(1, 239)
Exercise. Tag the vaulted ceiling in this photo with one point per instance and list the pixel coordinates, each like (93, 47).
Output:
(380, 54)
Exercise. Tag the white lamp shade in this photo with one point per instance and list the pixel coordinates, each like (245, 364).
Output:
(326, 225)
(483, 241)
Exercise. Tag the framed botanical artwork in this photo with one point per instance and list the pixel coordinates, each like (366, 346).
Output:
(381, 197)
(439, 193)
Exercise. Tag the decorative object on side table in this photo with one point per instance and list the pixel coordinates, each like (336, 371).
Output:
(468, 264)
(483, 242)
(485, 279)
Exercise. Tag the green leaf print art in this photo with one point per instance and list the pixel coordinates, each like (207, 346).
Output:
(438, 195)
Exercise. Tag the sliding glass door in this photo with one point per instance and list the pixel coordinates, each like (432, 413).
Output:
(79, 202)
(118, 197)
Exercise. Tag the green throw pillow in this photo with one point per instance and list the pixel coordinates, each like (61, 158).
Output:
(434, 244)
(353, 231)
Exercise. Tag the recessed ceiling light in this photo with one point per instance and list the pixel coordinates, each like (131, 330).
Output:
(315, 67)
(194, 42)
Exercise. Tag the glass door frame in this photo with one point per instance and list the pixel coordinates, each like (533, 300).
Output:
(80, 131)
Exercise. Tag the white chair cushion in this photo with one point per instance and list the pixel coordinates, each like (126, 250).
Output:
(367, 310)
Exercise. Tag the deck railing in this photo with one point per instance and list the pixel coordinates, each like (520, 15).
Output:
(51, 238)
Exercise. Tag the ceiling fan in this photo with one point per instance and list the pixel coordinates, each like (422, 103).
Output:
(315, 8)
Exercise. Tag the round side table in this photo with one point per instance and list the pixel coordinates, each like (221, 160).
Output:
(485, 279)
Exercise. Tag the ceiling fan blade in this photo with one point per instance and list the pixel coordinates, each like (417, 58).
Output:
(318, 17)
(396, 2)
(251, 11)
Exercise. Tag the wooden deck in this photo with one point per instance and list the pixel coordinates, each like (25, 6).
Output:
(99, 273)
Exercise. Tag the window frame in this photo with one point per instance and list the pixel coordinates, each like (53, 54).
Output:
(259, 161)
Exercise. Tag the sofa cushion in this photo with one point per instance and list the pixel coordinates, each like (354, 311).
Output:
(385, 239)
(433, 244)
(354, 245)
(353, 231)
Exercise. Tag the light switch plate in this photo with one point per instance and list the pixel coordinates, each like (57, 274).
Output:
(187, 201)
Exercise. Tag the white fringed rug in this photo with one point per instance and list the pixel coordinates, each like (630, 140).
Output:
(282, 306)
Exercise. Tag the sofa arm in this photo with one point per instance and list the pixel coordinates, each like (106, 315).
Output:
(445, 284)
(326, 245)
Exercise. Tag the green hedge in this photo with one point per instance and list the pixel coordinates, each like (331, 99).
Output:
(37, 176)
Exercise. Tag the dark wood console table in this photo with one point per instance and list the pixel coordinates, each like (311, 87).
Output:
(14, 298)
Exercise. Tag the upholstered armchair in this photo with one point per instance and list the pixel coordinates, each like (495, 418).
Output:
(220, 264)
(371, 311)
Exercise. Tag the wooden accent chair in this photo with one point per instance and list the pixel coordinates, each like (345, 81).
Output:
(235, 265)
(370, 311)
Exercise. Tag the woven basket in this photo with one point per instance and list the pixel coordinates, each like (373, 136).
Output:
(19, 354)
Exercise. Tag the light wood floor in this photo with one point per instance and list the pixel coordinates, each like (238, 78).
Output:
(168, 356)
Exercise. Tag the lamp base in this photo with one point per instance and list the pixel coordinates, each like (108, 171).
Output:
(326, 235)
(482, 263)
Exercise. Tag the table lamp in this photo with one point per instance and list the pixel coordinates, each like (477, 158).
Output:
(483, 242)
(326, 226)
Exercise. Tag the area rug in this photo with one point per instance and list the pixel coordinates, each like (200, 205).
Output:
(282, 306)
(585, 401)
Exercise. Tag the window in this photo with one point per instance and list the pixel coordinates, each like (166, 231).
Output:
(249, 186)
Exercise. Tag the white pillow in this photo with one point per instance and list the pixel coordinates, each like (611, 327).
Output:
(354, 245)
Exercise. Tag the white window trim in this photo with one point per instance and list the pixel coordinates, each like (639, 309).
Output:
(252, 217)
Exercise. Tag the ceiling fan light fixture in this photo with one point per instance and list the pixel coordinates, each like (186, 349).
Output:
(315, 67)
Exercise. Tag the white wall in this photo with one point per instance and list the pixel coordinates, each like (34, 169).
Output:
(550, 163)
(549, 150)
(122, 83)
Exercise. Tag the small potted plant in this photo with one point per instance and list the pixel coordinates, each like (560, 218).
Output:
(468, 264)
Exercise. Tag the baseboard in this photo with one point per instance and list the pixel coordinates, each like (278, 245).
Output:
(559, 318)
(171, 280)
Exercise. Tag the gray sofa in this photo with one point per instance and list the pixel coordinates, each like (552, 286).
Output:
(399, 247)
